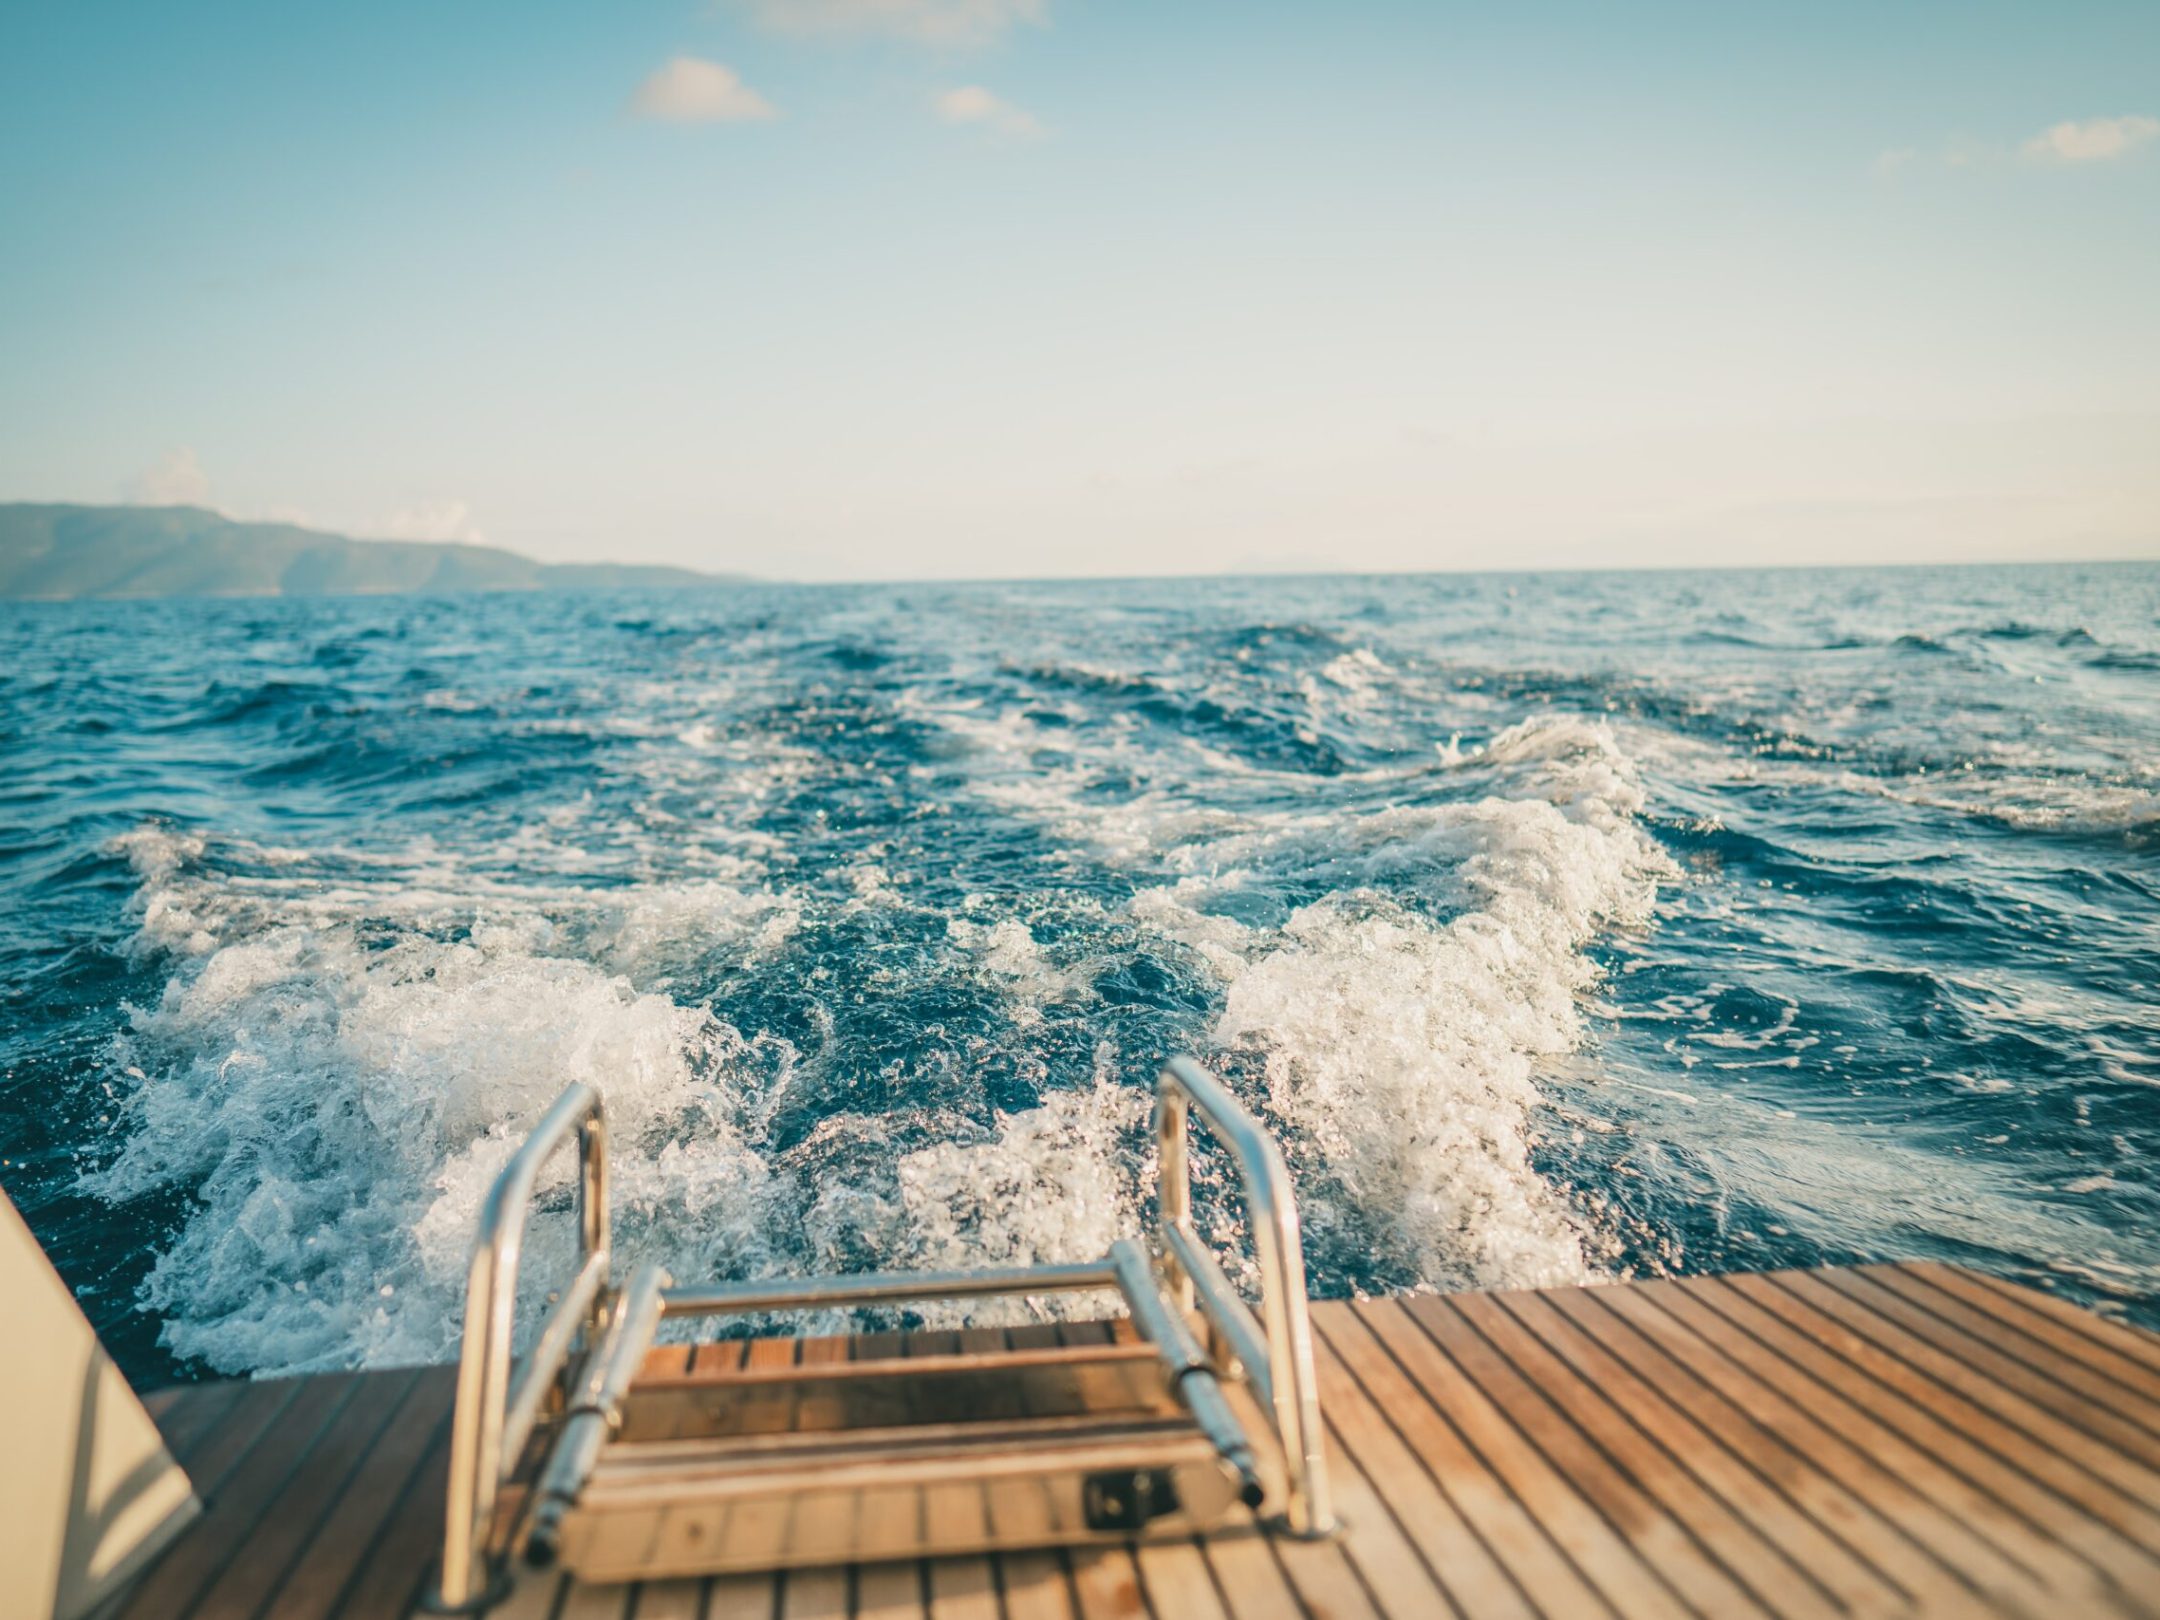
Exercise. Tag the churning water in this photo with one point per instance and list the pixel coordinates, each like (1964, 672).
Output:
(1564, 927)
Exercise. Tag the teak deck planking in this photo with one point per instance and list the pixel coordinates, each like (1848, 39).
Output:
(1883, 1440)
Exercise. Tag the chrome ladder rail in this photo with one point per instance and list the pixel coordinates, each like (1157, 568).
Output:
(1280, 1364)
(493, 1423)
(490, 1426)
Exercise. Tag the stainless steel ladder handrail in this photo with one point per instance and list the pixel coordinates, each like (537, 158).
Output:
(1281, 1364)
(493, 1423)
(490, 1425)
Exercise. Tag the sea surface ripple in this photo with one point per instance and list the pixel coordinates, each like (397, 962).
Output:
(1565, 927)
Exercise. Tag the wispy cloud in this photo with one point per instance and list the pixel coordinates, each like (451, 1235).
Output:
(691, 90)
(972, 104)
(427, 520)
(2091, 140)
(175, 479)
(934, 22)
(2075, 140)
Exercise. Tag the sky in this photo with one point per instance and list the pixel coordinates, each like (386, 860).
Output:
(829, 289)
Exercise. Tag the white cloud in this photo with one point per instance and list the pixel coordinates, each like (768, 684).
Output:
(2091, 140)
(972, 104)
(177, 479)
(427, 520)
(934, 22)
(691, 90)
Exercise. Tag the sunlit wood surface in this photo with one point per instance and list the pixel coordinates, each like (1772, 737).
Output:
(1884, 1440)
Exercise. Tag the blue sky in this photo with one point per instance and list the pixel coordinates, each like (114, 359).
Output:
(883, 288)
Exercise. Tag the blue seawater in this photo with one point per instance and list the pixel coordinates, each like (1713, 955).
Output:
(1565, 927)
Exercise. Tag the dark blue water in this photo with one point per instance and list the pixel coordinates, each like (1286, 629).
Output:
(1564, 927)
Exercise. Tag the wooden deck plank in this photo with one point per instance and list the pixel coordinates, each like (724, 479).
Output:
(1390, 1566)
(1838, 1443)
(403, 1559)
(255, 1571)
(1175, 1581)
(1882, 1441)
(718, 1355)
(1801, 1549)
(666, 1361)
(1992, 1435)
(1774, 1582)
(1375, 1475)
(2020, 1317)
(682, 1598)
(1725, 1405)
(2100, 1412)
(534, 1595)
(250, 1416)
(242, 1496)
(1033, 1586)
(1465, 1496)
(1624, 1580)
(1987, 1541)
(1492, 1353)
(1328, 1583)
(342, 1541)
(1106, 1582)
(582, 1602)
(963, 1588)
(1250, 1577)
(192, 1414)
(889, 1591)
(815, 1594)
(741, 1597)
(2139, 1344)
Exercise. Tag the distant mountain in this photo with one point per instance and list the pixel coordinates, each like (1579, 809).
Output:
(58, 552)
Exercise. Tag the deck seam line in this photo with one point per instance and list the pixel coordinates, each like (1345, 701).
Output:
(1619, 1464)
(1961, 1333)
(2014, 1314)
(217, 1409)
(1800, 1460)
(208, 1490)
(428, 1454)
(1297, 1590)
(1470, 1447)
(1140, 1584)
(1733, 1510)
(336, 1496)
(1402, 1530)
(1387, 1420)
(1785, 1399)
(1553, 1463)
(216, 1572)
(1500, 1478)
(1879, 1419)
(2146, 1342)
(1975, 1437)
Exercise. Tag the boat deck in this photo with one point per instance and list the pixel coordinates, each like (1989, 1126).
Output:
(1883, 1440)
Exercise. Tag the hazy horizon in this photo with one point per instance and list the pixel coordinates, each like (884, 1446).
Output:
(1034, 289)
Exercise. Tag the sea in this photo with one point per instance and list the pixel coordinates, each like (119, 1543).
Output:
(1563, 927)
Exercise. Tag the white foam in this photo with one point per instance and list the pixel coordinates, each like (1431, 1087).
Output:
(1402, 1047)
(352, 1041)
(1406, 1051)
(340, 1107)
(1055, 1183)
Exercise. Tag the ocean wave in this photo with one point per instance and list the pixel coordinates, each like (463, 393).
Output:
(336, 1107)
(873, 912)
(1401, 1049)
